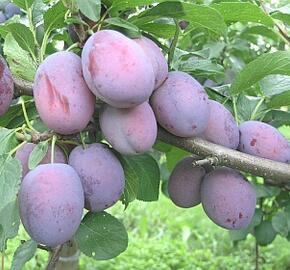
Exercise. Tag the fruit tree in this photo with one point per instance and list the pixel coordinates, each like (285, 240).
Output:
(106, 102)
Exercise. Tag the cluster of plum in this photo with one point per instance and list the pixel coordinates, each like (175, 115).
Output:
(8, 10)
(131, 78)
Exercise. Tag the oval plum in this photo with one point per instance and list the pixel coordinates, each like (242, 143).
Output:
(6, 87)
(62, 98)
(262, 140)
(157, 59)
(117, 70)
(228, 199)
(101, 174)
(23, 153)
(181, 105)
(221, 128)
(184, 183)
(51, 201)
(129, 131)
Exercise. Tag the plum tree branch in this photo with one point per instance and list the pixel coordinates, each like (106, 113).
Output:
(231, 158)
(54, 258)
(278, 172)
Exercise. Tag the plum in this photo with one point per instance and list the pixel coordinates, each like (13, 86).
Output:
(262, 140)
(101, 174)
(11, 10)
(129, 131)
(157, 59)
(62, 98)
(184, 183)
(228, 199)
(2, 17)
(181, 105)
(117, 70)
(221, 128)
(6, 87)
(24, 151)
(51, 202)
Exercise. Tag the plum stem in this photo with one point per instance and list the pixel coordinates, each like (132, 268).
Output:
(54, 139)
(26, 116)
(54, 258)
(16, 148)
(2, 261)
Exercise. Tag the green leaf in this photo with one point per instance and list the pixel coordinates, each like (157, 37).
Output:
(146, 172)
(174, 156)
(72, 5)
(267, 64)
(9, 222)
(37, 154)
(8, 141)
(101, 236)
(242, 12)
(280, 100)
(162, 30)
(264, 233)
(54, 17)
(197, 15)
(132, 181)
(24, 4)
(90, 8)
(122, 5)
(282, 14)
(277, 118)
(280, 223)
(23, 36)
(20, 62)
(122, 23)
(263, 191)
(23, 254)
(10, 178)
(260, 30)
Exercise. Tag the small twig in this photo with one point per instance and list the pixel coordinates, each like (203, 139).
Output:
(54, 258)
(205, 162)
(39, 246)
(22, 87)
(2, 261)
(282, 33)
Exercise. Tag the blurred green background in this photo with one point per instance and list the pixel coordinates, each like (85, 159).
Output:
(163, 237)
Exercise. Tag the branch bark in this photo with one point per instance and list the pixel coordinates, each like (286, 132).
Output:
(54, 258)
(276, 173)
(231, 158)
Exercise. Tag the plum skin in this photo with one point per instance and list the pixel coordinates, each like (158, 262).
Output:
(262, 140)
(157, 59)
(181, 105)
(228, 199)
(184, 183)
(130, 131)
(221, 128)
(62, 98)
(6, 87)
(101, 174)
(117, 70)
(24, 152)
(51, 201)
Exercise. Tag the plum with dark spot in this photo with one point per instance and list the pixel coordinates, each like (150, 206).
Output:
(51, 202)
(62, 98)
(11, 10)
(117, 70)
(24, 151)
(157, 59)
(129, 131)
(262, 140)
(221, 128)
(6, 87)
(228, 199)
(181, 105)
(101, 174)
(184, 183)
